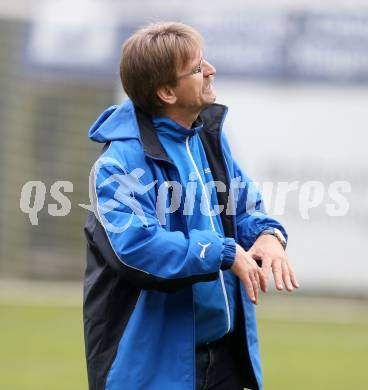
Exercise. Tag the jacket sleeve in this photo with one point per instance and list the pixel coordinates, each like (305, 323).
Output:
(128, 233)
(251, 217)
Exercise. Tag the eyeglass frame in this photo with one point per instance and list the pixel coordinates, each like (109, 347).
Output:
(197, 69)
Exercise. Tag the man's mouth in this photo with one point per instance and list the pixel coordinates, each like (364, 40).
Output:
(209, 88)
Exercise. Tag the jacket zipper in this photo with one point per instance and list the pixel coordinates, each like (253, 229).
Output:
(213, 228)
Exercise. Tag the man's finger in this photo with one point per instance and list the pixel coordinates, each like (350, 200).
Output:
(255, 286)
(248, 284)
(256, 276)
(293, 277)
(277, 273)
(258, 283)
(262, 279)
(266, 267)
(286, 276)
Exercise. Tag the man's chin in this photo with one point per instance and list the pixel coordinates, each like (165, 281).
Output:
(210, 96)
(207, 102)
(211, 99)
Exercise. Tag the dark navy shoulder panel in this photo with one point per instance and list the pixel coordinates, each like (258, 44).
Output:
(108, 304)
(213, 118)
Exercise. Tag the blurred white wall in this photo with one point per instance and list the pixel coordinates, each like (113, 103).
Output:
(308, 133)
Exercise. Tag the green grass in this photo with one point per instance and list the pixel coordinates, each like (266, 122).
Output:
(41, 348)
(315, 355)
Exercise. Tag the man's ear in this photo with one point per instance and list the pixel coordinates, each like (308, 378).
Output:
(166, 94)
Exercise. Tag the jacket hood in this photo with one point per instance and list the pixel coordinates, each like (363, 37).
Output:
(115, 123)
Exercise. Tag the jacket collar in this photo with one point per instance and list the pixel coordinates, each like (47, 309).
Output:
(212, 117)
(168, 128)
(151, 144)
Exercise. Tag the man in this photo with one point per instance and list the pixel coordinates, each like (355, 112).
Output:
(177, 230)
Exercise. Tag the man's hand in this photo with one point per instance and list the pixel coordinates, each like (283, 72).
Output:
(268, 249)
(248, 271)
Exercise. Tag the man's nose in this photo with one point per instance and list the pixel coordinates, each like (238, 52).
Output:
(208, 69)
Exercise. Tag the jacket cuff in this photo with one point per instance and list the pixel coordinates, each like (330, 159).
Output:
(228, 253)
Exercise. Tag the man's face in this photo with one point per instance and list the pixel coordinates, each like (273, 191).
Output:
(194, 89)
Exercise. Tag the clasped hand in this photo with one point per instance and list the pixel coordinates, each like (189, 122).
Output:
(267, 251)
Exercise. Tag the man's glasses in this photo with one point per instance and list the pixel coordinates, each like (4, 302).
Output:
(197, 69)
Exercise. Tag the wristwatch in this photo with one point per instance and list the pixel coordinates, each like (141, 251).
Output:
(277, 233)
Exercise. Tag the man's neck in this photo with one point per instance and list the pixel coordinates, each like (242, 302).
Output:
(184, 119)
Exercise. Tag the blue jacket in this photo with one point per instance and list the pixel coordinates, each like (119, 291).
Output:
(215, 301)
(142, 260)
